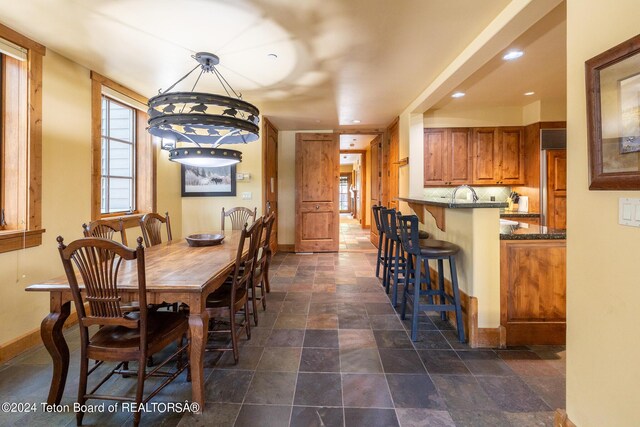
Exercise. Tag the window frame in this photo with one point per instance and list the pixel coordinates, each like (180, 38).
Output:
(145, 152)
(21, 145)
(107, 137)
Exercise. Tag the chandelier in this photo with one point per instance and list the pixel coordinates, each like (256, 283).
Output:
(194, 125)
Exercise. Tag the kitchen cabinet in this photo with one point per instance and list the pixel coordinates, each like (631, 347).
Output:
(533, 291)
(498, 156)
(478, 156)
(447, 156)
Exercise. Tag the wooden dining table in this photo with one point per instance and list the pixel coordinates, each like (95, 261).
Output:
(175, 272)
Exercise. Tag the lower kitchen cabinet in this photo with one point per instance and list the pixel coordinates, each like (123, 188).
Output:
(533, 291)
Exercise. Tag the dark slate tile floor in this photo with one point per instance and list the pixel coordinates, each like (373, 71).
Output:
(331, 351)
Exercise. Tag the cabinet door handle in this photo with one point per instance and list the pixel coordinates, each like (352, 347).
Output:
(317, 207)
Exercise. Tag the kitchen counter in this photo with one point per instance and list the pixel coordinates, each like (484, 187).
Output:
(505, 213)
(457, 204)
(523, 231)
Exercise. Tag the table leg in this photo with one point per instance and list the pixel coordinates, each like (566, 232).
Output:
(199, 329)
(51, 333)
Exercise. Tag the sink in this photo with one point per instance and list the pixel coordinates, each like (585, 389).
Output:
(508, 222)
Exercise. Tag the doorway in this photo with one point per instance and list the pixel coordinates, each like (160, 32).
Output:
(354, 188)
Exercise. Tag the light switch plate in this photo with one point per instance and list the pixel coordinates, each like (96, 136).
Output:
(629, 212)
(246, 195)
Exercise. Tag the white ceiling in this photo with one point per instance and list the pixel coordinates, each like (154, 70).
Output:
(542, 69)
(360, 142)
(338, 60)
(349, 159)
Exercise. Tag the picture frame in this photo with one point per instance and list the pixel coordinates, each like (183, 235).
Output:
(208, 182)
(613, 117)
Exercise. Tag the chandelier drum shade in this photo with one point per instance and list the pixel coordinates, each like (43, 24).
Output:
(193, 124)
(200, 156)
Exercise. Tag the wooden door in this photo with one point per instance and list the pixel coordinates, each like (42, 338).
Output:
(317, 177)
(557, 189)
(270, 176)
(394, 157)
(376, 151)
(485, 156)
(458, 157)
(435, 141)
(511, 147)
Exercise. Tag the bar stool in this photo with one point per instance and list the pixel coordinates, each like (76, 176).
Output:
(394, 253)
(423, 251)
(376, 216)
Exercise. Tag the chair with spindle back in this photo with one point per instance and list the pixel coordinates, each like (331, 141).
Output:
(239, 217)
(151, 225)
(261, 276)
(233, 296)
(123, 336)
(106, 229)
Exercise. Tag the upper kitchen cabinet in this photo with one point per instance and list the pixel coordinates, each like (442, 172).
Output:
(511, 146)
(498, 156)
(447, 156)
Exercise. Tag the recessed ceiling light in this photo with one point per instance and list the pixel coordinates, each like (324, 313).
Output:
(512, 54)
(458, 95)
(355, 121)
(529, 93)
(272, 56)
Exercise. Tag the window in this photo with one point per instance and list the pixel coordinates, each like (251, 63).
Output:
(118, 175)
(20, 141)
(124, 160)
(345, 206)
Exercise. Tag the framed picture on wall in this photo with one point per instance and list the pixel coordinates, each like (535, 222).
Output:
(208, 182)
(613, 114)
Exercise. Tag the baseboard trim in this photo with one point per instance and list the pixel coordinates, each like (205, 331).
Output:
(286, 248)
(561, 419)
(28, 341)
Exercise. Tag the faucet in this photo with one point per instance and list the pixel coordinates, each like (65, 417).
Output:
(473, 193)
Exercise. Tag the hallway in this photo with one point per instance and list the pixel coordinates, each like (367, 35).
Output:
(353, 238)
(331, 351)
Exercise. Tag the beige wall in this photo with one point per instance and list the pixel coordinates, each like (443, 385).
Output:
(346, 168)
(602, 330)
(66, 189)
(202, 214)
(541, 110)
(66, 194)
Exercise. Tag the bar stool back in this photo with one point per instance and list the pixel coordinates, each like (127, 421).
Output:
(395, 254)
(423, 251)
(376, 217)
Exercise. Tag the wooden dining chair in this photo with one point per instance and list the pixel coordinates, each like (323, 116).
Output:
(151, 225)
(261, 276)
(106, 229)
(239, 217)
(232, 298)
(123, 336)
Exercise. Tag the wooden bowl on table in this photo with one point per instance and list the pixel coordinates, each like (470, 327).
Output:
(198, 240)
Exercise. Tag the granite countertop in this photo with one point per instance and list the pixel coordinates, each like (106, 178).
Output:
(505, 213)
(457, 204)
(523, 231)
